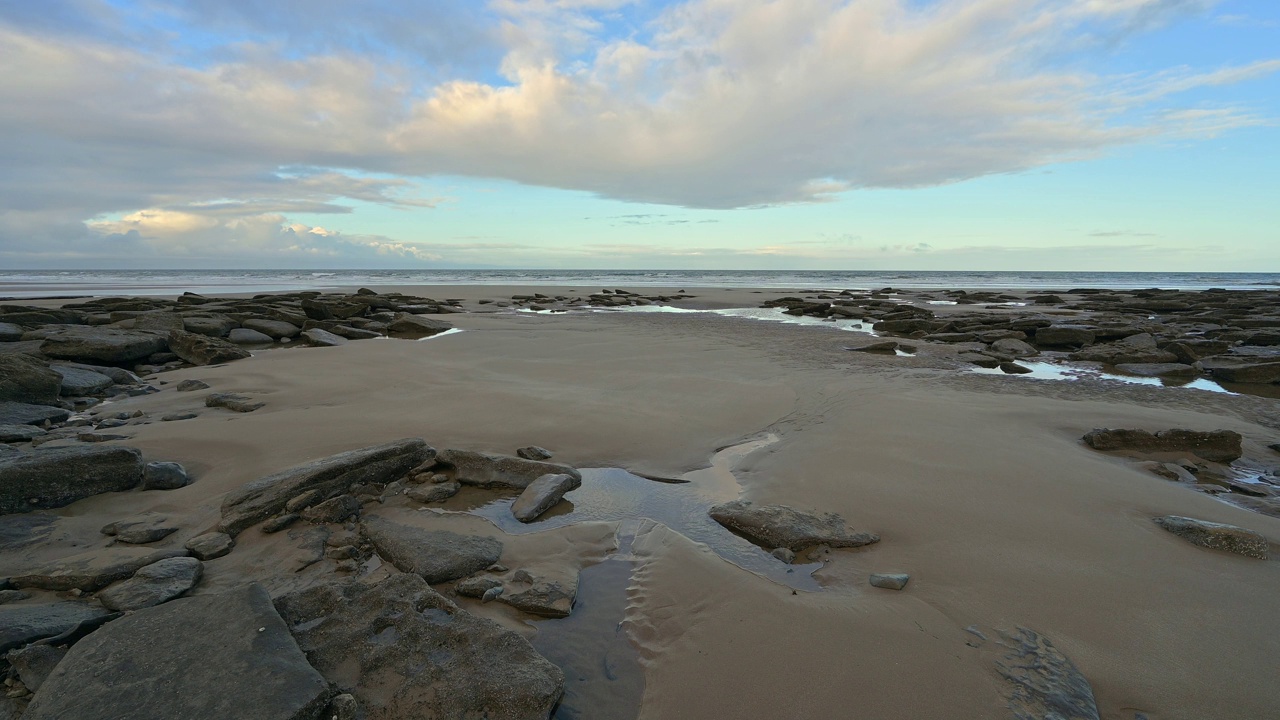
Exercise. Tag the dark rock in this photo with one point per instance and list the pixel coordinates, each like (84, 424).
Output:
(192, 384)
(984, 361)
(204, 350)
(179, 416)
(141, 529)
(1013, 368)
(25, 379)
(1253, 373)
(232, 401)
(435, 492)
(889, 581)
(156, 583)
(212, 325)
(262, 498)
(782, 526)
(322, 338)
(24, 624)
(33, 663)
(16, 413)
(541, 495)
(164, 476)
(1134, 349)
(19, 433)
(54, 477)
(883, 346)
(1064, 335)
(493, 470)
(158, 322)
(8, 596)
(437, 555)
(533, 452)
(93, 569)
(10, 332)
(1044, 682)
(210, 545)
(275, 329)
(334, 510)
(108, 345)
(1160, 370)
(536, 596)
(119, 376)
(1221, 446)
(278, 523)
(245, 336)
(403, 650)
(211, 656)
(1216, 535)
(1010, 347)
(408, 325)
(477, 586)
(78, 382)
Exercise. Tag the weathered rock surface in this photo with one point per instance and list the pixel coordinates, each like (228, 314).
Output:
(54, 477)
(202, 658)
(434, 492)
(108, 345)
(1217, 536)
(246, 336)
(233, 402)
(323, 338)
(1044, 682)
(1221, 446)
(22, 624)
(34, 663)
(16, 413)
(19, 433)
(154, 584)
(493, 470)
(1064, 335)
(406, 324)
(204, 350)
(541, 495)
(882, 346)
(25, 379)
(539, 596)
(1254, 373)
(333, 510)
(192, 384)
(164, 476)
(1012, 347)
(263, 498)
(1161, 370)
(93, 569)
(403, 650)
(781, 526)
(533, 452)
(141, 529)
(77, 381)
(889, 581)
(436, 555)
(275, 329)
(210, 545)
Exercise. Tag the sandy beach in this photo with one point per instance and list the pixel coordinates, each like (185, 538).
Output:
(978, 486)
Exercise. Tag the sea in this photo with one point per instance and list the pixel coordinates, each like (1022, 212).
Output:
(18, 284)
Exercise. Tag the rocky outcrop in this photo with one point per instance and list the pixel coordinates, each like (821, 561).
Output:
(101, 344)
(329, 476)
(1044, 683)
(54, 477)
(1216, 536)
(403, 650)
(541, 495)
(202, 658)
(204, 350)
(25, 379)
(1221, 446)
(437, 555)
(503, 471)
(780, 526)
(156, 583)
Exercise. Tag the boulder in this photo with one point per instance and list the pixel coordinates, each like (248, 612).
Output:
(246, 336)
(25, 379)
(408, 325)
(103, 344)
(541, 495)
(275, 329)
(93, 569)
(55, 477)
(1064, 335)
(164, 476)
(34, 663)
(233, 402)
(265, 497)
(1134, 349)
(889, 581)
(533, 452)
(204, 350)
(210, 545)
(77, 381)
(323, 338)
(1044, 683)
(493, 470)
(781, 526)
(1216, 535)
(437, 555)
(16, 413)
(154, 584)
(403, 650)
(23, 624)
(201, 658)
(211, 325)
(1221, 446)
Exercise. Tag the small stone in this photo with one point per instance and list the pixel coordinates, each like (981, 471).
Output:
(491, 594)
(434, 493)
(210, 545)
(439, 478)
(189, 385)
(232, 401)
(343, 707)
(276, 524)
(1216, 535)
(346, 552)
(164, 476)
(154, 584)
(784, 554)
(179, 416)
(890, 581)
(533, 452)
(1013, 368)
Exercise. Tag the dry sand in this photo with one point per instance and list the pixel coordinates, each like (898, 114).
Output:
(979, 487)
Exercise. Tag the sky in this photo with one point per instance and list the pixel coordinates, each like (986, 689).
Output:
(1126, 135)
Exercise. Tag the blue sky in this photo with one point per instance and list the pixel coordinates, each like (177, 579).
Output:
(736, 134)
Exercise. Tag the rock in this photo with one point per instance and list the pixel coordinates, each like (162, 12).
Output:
(77, 382)
(493, 470)
(210, 545)
(267, 496)
(1134, 349)
(159, 322)
(275, 329)
(533, 452)
(154, 584)
(1013, 368)
(1010, 347)
(1221, 446)
(884, 346)
(1254, 373)
(1216, 535)
(351, 333)
(24, 624)
(542, 494)
(212, 656)
(8, 596)
(25, 379)
(343, 707)
(232, 401)
(55, 477)
(10, 332)
(93, 569)
(1160, 370)
(322, 338)
(477, 587)
(1171, 471)
(437, 555)
(403, 650)
(406, 324)
(784, 554)
(164, 476)
(192, 384)
(212, 325)
(491, 594)
(179, 416)
(1044, 682)
(546, 598)
(204, 350)
(334, 510)
(19, 433)
(246, 336)
(33, 663)
(16, 413)
(781, 526)
(984, 361)
(889, 581)
(435, 492)
(1064, 335)
(141, 529)
(276, 524)
(107, 345)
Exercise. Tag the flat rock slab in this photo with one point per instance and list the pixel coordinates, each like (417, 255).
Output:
(542, 494)
(210, 657)
(19, 433)
(405, 651)
(154, 584)
(1044, 683)
(16, 413)
(245, 336)
(1160, 370)
(780, 526)
(409, 325)
(23, 624)
(437, 555)
(55, 477)
(78, 381)
(494, 470)
(275, 329)
(210, 546)
(141, 529)
(94, 569)
(200, 349)
(266, 497)
(101, 344)
(323, 338)
(1216, 536)
(1221, 446)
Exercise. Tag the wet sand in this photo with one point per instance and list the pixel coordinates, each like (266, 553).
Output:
(979, 487)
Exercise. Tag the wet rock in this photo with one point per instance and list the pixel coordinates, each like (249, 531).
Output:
(1254, 373)
(25, 379)
(889, 581)
(16, 413)
(77, 382)
(1064, 336)
(8, 596)
(33, 663)
(93, 569)
(334, 510)
(883, 346)
(352, 333)
(343, 707)
(781, 526)
(1221, 446)
(542, 494)
(212, 656)
(233, 401)
(212, 325)
(192, 384)
(404, 650)
(784, 554)
(533, 452)
(10, 332)
(1013, 368)
(265, 497)
(434, 492)
(476, 587)
(210, 545)
(156, 583)
(276, 524)
(164, 476)
(1160, 370)
(19, 433)
(55, 477)
(437, 555)
(24, 624)
(275, 329)
(101, 344)
(322, 338)
(408, 325)
(1134, 349)
(494, 470)
(1216, 535)
(246, 336)
(204, 350)
(1044, 683)
(539, 596)
(141, 529)
(983, 361)
(1010, 347)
